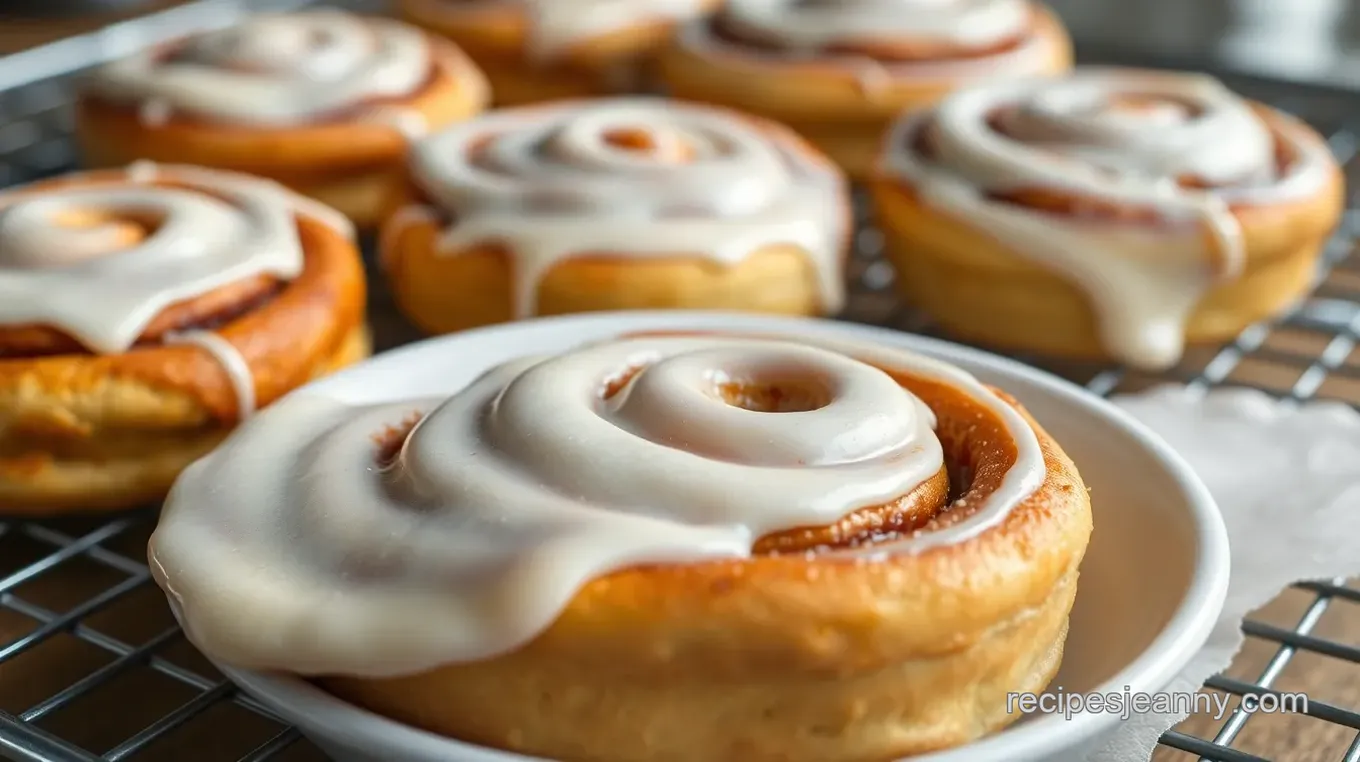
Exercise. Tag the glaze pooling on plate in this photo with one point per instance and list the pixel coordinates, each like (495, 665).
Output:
(633, 178)
(362, 552)
(1180, 146)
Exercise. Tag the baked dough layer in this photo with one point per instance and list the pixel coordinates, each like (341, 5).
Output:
(80, 431)
(982, 291)
(825, 102)
(348, 164)
(498, 38)
(796, 657)
(443, 292)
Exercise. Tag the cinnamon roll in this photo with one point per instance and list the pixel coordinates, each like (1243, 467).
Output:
(145, 312)
(616, 203)
(684, 548)
(321, 101)
(540, 50)
(840, 72)
(1111, 214)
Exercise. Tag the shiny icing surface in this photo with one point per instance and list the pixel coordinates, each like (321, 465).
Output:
(826, 30)
(66, 259)
(1122, 139)
(278, 70)
(819, 24)
(556, 25)
(355, 556)
(631, 177)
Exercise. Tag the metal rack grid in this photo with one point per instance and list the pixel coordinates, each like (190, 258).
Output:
(85, 636)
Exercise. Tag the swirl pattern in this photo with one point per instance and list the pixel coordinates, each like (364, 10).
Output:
(1145, 168)
(100, 261)
(822, 24)
(274, 70)
(556, 25)
(632, 177)
(880, 42)
(472, 528)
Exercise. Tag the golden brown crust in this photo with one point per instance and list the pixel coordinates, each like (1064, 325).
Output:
(444, 292)
(828, 104)
(801, 657)
(83, 431)
(498, 39)
(983, 291)
(441, 291)
(346, 163)
(110, 470)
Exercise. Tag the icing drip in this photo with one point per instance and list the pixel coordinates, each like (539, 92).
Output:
(232, 363)
(1120, 139)
(396, 224)
(631, 177)
(100, 261)
(812, 29)
(506, 498)
(65, 260)
(277, 70)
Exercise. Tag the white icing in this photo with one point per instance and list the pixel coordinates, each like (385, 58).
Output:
(804, 30)
(818, 24)
(220, 229)
(515, 492)
(65, 261)
(1073, 136)
(554, 26)
(232, 363)
(281, 69)
(547, 183)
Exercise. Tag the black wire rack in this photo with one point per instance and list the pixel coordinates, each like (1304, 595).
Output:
(93, 668)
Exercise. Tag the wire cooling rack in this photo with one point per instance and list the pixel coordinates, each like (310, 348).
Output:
(92, 666)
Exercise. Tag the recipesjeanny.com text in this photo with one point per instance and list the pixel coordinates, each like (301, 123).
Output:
(1128, 703)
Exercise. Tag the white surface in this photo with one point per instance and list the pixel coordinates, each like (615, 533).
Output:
(1288, 481)
(1152, 584)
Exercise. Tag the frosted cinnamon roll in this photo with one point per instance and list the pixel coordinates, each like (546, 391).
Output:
(840, 72)
(145, 313)
(753, 547)
(540, 50)
(627, 203)
(321, 101)
(1111, 214)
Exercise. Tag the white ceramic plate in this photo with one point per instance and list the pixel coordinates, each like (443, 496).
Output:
(1151, 586)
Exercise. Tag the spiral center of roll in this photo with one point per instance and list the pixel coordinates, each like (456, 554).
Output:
(41, 236)
(771, 395)
(644, 142)
(761, 406)
(1144, 111)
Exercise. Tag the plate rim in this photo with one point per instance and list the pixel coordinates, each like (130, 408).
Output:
(1153, 669)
